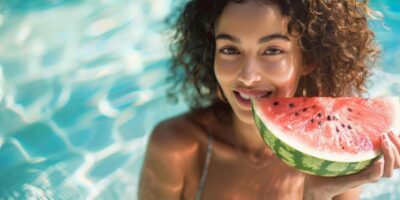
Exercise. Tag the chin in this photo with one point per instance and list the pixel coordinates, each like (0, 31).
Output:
(245, 116)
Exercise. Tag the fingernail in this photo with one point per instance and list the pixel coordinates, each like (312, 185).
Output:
(385, 140)
(391, 133)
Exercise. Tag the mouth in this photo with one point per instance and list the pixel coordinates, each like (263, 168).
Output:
(243, 97)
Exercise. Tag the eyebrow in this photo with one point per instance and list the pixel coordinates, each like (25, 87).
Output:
(264, 39)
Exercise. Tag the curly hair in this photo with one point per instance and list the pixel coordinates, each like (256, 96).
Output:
(334, 35)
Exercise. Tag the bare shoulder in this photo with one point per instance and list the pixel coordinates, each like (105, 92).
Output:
(172, 149)
(188, 130)
(175, 134)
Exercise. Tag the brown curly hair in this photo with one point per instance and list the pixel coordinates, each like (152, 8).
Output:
(334, 36)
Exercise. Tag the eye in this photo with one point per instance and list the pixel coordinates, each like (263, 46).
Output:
(229, 51)
(273, 51)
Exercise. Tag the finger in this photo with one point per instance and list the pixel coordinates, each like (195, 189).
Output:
(388, 156)
(395, 140)
(372, 174)
(369, 175)
(396, 151)
(396, 156)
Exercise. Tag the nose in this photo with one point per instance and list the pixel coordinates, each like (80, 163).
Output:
(250, 73)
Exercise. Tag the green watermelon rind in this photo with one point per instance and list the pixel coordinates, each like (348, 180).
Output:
(304, 162)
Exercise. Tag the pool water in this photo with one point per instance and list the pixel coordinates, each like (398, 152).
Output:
(82, 84)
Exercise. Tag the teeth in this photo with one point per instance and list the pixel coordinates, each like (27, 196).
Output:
(247, 97)
(244, 96)
(264, 95)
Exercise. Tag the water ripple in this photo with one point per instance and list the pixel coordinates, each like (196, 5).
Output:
(82, 84)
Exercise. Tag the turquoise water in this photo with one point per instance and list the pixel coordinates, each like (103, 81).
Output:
(82, 85)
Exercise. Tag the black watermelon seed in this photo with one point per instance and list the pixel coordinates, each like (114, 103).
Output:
(349, 109)
(343, 147)
(329, 118)
(304, 109)
(320, 123)
(275, 103)
(291, 105)
(296, 114)
(343, 125)
(319, 114)
(349, 127)
(337, 130)
(312, 120)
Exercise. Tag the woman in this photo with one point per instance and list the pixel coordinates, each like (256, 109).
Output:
(227, 51)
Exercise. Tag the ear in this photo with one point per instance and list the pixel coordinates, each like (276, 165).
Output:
(308, 68)
(309, 64)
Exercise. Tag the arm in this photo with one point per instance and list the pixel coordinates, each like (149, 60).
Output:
(162, 175)
(352, 194)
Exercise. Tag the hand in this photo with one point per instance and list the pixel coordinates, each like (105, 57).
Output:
(391, 153)
(317, 187)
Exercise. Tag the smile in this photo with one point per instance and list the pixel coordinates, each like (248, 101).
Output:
(243, 97)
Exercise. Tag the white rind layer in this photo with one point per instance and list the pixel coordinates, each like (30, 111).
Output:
(335, 157)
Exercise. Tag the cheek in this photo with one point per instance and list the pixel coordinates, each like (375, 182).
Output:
(285, 77)
(282, 70)
(225, 71)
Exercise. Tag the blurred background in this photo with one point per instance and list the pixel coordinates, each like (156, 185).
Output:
(82, 84)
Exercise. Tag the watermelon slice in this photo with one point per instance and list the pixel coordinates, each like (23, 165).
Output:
(326, 136)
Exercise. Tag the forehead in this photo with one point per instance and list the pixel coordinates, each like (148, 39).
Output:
(251, 17)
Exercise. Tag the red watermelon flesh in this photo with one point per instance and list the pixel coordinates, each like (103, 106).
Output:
(333, 125)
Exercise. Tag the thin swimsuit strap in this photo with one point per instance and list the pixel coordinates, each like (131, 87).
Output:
(205, 169)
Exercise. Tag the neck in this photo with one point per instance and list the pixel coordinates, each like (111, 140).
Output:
(248, 138)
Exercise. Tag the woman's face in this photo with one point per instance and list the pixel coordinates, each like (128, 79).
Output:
(255, 56)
